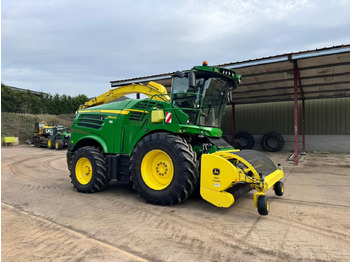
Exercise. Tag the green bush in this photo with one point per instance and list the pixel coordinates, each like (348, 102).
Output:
(28, 103)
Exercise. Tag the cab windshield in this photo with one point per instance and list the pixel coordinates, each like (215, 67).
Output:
(204, 103)
(62, 129)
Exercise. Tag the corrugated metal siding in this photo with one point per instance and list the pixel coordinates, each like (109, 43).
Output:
(323, 117)
(328, 116)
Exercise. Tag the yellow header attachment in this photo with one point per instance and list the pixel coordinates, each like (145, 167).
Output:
(222, 171)
(152, 90)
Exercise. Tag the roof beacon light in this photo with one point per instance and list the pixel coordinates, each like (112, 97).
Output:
(205, 63)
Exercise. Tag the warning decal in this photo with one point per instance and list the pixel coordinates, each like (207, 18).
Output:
(167, 117)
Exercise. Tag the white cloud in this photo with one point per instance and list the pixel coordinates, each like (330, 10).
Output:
(73, 47)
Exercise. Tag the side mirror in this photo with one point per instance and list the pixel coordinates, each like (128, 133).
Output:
(192, 79)
(229, 97)
(180, 74)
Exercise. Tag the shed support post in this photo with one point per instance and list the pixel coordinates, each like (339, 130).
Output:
(296, 153)
(303, 109)
(303, 125)
(233, 122)
(297, 74)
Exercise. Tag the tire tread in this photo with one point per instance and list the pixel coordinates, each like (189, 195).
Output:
(99, 181)
(188, 179)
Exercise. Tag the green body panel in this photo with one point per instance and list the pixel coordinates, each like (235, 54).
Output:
(63, 136)
(118, 126)
(92, 124)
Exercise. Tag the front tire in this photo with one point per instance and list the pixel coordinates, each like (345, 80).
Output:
(58, 144)
(263, 205)
(163, 169)
(88, 170)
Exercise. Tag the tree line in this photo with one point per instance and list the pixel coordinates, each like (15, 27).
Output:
(28, 103)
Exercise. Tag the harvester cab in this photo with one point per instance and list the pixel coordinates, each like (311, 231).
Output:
(42, 128)
(169, 144)
(202, 94)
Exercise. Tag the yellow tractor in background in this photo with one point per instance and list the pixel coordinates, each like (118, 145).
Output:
(42, 132)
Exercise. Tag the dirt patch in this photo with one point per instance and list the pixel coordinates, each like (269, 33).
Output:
(44, 218)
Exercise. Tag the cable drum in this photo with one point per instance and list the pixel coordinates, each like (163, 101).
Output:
(272, 142)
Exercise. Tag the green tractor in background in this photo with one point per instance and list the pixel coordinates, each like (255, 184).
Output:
(169, 144)
(60, 138)
(50, 136)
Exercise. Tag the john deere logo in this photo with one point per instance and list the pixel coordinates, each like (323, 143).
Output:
(216, 171)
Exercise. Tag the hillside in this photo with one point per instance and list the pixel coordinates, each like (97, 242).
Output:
(22, 125)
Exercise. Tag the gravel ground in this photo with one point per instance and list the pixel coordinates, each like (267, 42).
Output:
(44, 219)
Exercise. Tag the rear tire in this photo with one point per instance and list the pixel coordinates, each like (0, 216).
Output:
(263, 205)
(163, 169)
(50, 142)
(36, 141)
(88, 170)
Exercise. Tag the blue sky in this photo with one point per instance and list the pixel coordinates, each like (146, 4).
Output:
(78, 47)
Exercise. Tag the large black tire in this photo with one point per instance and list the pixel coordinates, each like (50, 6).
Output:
(58, 144)
(272, 142)
(244, 140)
(163, 169)
(36, 144)
(50, 142)
(88, 170)
(36, 141)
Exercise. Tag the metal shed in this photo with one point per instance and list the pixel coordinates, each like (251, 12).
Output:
(315, 74)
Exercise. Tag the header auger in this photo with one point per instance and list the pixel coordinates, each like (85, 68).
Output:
(169, 144)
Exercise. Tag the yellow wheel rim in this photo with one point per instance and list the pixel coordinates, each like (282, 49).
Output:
(157, 169)
(56, 144)
(49, 143)
(83, 170)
